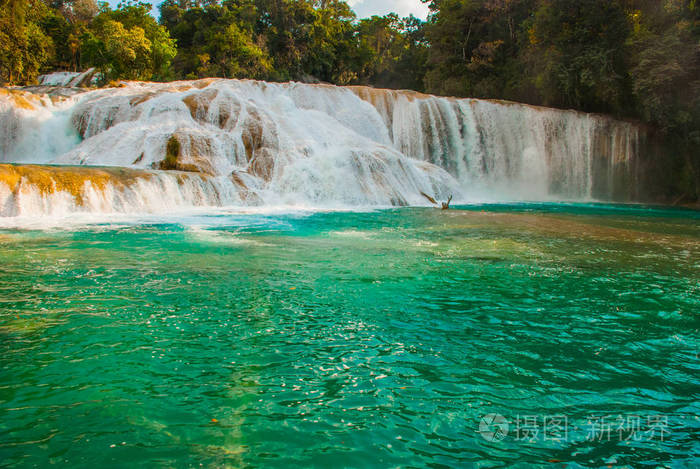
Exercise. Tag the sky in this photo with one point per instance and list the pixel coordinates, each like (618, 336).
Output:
(366, 8)
(363, 8)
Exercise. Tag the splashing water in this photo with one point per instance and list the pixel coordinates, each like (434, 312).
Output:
(315, 145)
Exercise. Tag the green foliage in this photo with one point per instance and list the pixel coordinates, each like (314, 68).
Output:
(66, 43)
(392, 52)
(269, 39)
(632, 58)
(665, 73)
(172, 153)
(24, 46)
(665, 68)
(162, 47)
(215, 41)
(475, 48)
(577, 51)
(128, 43)
(119, 52)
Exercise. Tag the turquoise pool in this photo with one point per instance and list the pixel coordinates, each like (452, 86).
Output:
(486, 336)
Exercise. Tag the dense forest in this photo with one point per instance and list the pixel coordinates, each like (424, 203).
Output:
(637, 59)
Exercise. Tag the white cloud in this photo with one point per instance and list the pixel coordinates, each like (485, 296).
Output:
(366, 8)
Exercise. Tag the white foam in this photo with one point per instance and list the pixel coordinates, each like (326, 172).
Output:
(313, 146)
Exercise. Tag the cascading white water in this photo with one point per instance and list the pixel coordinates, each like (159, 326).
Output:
(508, 150)
(317, 145)
(35, 128)
(70, 79)
(58, 192)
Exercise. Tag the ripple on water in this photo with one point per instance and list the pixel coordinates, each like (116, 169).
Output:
(373, 338)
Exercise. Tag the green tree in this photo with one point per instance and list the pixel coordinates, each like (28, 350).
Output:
(216, 40)
(392, 52)
(233, 54)
(576, 54)
(411, 65)
(330, 37)
(137, 15)
(24, 47)
(452, 33)
(664, 56)
(119, 52)
(474, 47)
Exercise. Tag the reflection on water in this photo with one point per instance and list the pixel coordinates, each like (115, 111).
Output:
(377, 338)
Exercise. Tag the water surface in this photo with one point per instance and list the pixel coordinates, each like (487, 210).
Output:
(355, 339)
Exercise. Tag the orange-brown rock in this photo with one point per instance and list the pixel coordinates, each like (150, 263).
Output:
(198, 103)
(263, 164)
(252, 134)
(21, 99)
(245, 192)
(69, 179)
(185, 153)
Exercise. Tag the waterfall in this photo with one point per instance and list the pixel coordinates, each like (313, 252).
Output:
(59, 191)
(243, 142)
(508, 150)
(70, 79)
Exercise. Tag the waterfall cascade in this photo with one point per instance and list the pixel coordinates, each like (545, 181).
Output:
(89, 77)
(221, 142)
